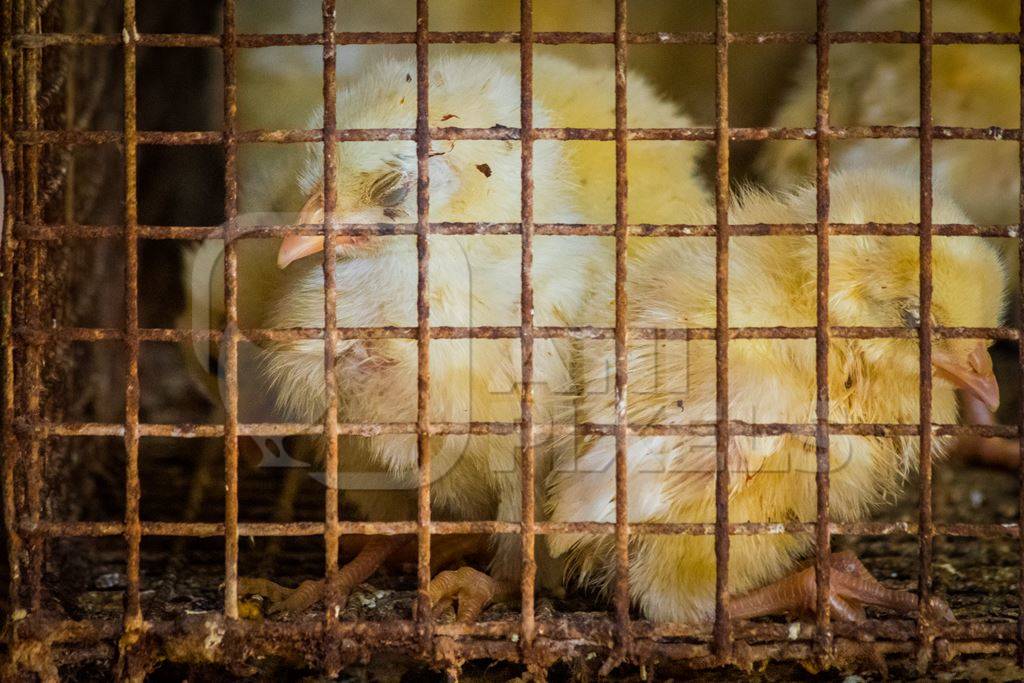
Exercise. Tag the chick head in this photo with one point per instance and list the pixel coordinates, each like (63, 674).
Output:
(469, 180)
(876, 283)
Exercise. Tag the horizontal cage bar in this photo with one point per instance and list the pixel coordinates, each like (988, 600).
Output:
(447, 133)
(259, 40)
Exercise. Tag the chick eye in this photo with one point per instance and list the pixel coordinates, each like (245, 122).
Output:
(911, 316)
(389, 190)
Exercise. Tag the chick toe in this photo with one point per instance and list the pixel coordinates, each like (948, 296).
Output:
(851, 587)
(282, 598)
(473, 590)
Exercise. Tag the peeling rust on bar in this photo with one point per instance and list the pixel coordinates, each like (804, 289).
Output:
(92, 334)
(823, 548)
(424, 618)
(332, 606)
(330, 642)
(1020, 352)
(266, 429)
(691, 134)
(230, 336)
(37, 231)
(133, 530)
(528, 453)
(925, 631)
(621, 597)
(10, 442)
(30, 41)
(723, 626)
(56, 529)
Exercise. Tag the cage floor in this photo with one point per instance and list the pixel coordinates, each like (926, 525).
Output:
(977, 577)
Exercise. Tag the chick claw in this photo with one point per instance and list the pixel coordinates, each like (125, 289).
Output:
(473, 589)
(296, 600)
(851, 587)
(284, 599)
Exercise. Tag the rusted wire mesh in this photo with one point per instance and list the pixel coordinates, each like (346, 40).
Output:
(39, 641)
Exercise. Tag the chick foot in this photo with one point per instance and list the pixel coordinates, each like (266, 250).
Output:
(308, 593)
(473, 590)
(851, 587)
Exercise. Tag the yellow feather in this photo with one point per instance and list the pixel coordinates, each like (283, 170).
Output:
(772, 479)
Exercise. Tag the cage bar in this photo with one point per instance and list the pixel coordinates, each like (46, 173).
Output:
(333, 598)
(230, 336)
(96, 334)
(26, 430)
(528, 566)
(692, 134)
(1020, 358)
(10, 440)
(823, 545)
(212, 529)
(622, 601)
(33, 356)
(723, 625)
(133, 621)
(423, 137)
(253, 40)
(927, 533)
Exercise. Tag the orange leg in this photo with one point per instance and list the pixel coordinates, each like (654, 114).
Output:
(473, 590)
(851, 587)
(445, 550)
(373, 554)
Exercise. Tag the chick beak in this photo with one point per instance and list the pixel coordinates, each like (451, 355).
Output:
(974, 375)
(295, 247)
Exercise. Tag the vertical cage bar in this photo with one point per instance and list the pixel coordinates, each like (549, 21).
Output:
(822, 573)
(926, 530)
(528, 459)
(1020, 349)
(423, 316)
(330, 175)
(723, 627)
(230, 340)
(70, 93)
(33, 352)
(621, 334)
(11, 448)
(133, 526)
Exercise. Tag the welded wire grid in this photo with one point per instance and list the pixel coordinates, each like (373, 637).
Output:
(539, 641)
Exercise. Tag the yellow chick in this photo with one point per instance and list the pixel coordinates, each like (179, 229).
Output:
(473, 280)
(873, 282)
(972, 86)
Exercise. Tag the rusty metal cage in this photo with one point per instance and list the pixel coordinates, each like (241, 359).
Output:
(38, 642)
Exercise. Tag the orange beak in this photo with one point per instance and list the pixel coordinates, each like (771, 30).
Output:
(295, 247)
(974, 375)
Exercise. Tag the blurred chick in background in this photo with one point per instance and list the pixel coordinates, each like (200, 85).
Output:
(973, 86)
(772, 280)
(474, 280)
(269, 96)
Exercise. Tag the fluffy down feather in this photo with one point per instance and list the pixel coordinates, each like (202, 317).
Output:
(474, 280)
(873, 282)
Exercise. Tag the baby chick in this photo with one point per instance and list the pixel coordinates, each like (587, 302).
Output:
(473, 280)
(873, 282)
(973, 86)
